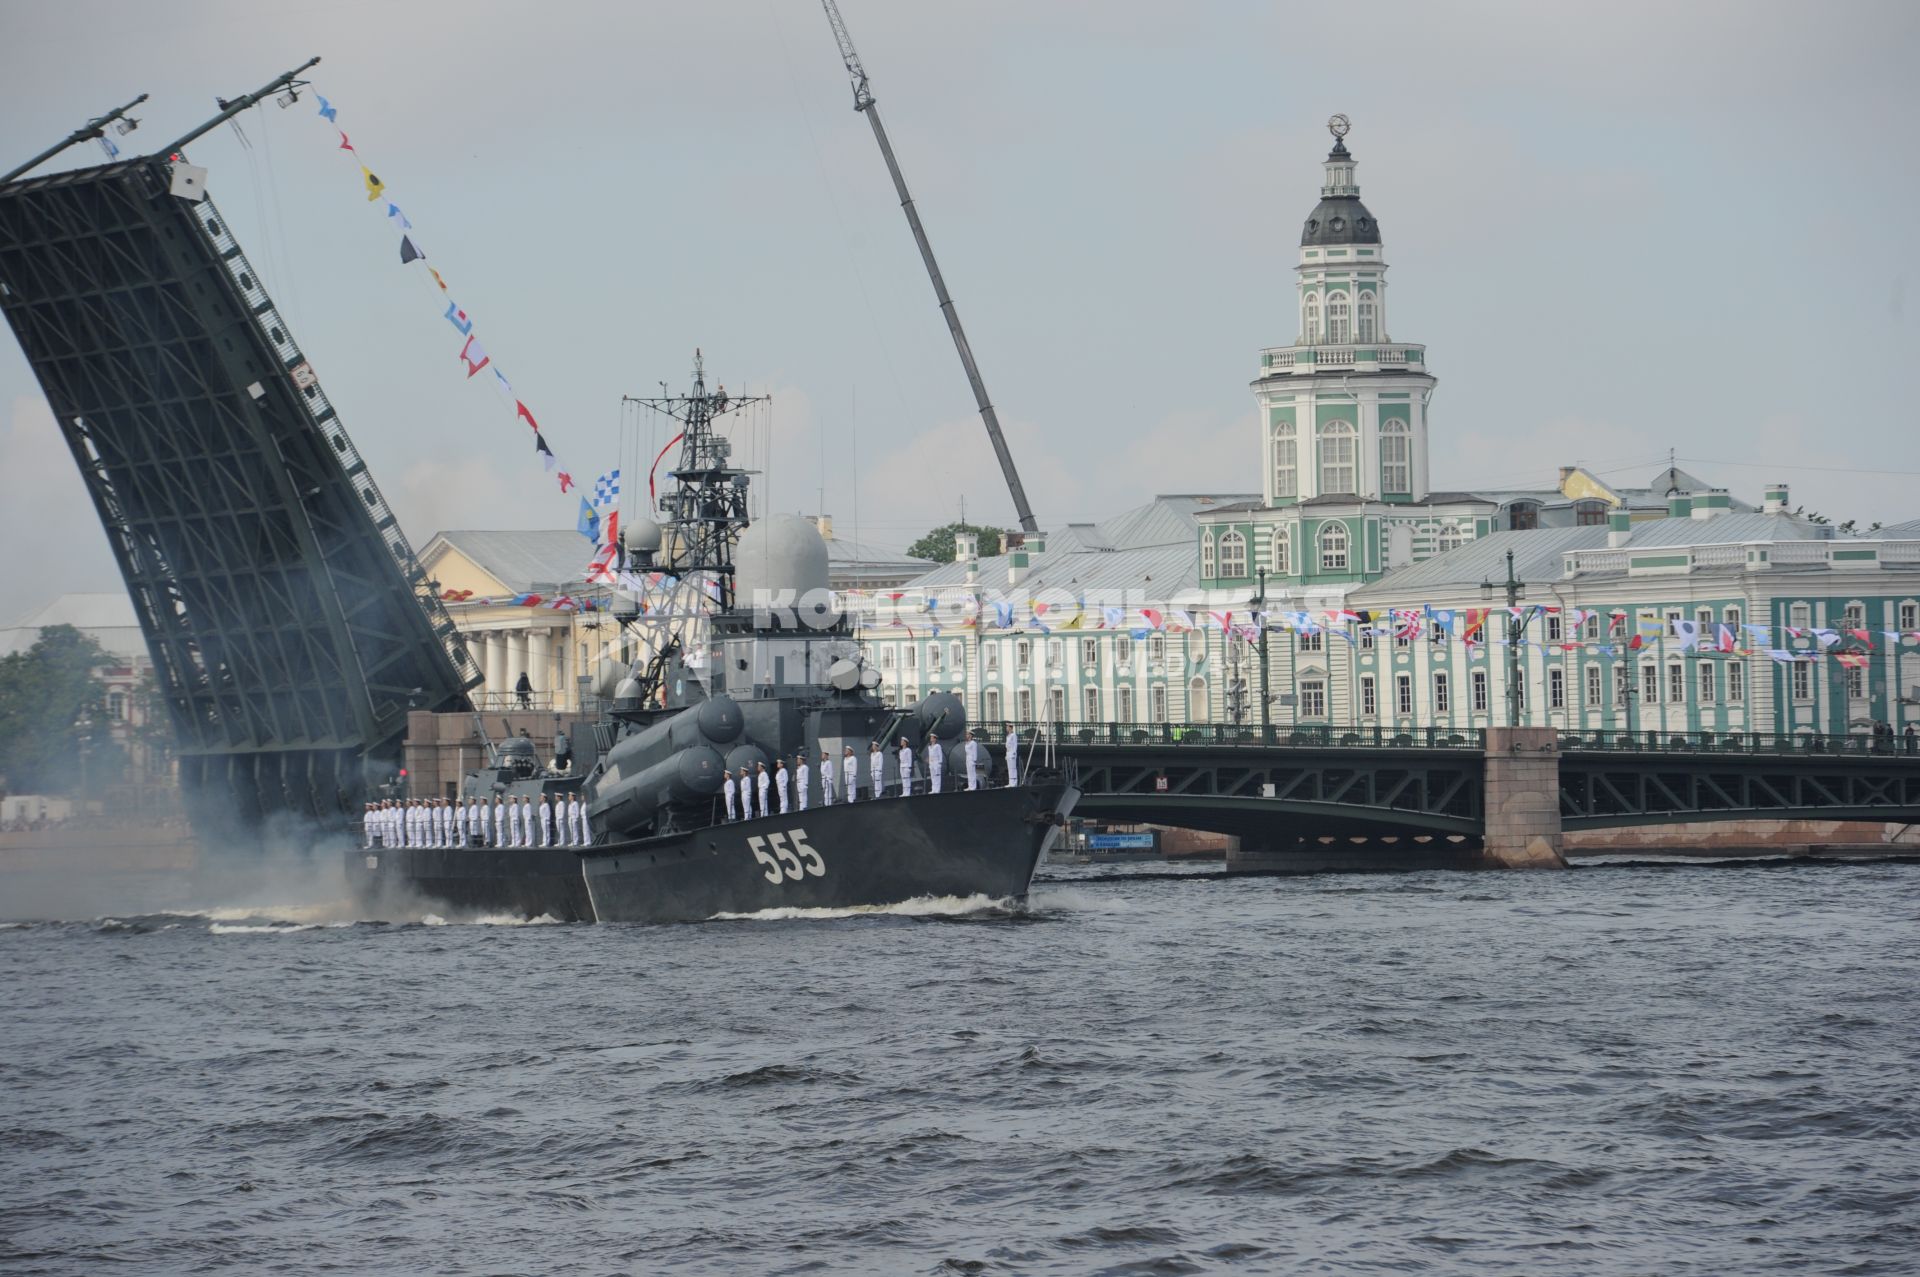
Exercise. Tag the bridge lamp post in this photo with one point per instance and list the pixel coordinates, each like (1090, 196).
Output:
(1259, 605)
(1515, 591)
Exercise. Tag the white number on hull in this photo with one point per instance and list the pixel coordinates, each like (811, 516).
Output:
(781, 862)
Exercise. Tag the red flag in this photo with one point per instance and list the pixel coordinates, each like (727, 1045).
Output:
(344, 144)
(520, 410)
(566, 481)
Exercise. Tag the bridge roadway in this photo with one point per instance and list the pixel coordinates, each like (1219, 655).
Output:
(1332, 798)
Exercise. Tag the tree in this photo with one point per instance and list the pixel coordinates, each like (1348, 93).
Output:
(937, 545)
(49, 699)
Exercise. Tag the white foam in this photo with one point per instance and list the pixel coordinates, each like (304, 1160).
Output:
(269, 929)
(918, 907)
(1077, 900)
(490, 920)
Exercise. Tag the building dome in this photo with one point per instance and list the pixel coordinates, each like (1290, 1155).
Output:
(1339, 217)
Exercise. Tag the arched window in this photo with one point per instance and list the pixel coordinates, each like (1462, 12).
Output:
(1333, 548)
(1286, 459)
(1282, 552)
(1198, 710)
(1363, 318)
(1337, 318)
(1449, 539)
(1233, 555)
(1310, 321)
(1590, 513)
(1523, 516)
(1336, 458)
(1206, 556)
(1396, 458)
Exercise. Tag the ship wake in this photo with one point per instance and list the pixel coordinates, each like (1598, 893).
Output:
(974, 906)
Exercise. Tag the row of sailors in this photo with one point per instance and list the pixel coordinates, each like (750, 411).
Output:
(746, 792)
(514, 821)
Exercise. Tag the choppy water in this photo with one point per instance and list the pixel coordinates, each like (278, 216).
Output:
(1618, 1070)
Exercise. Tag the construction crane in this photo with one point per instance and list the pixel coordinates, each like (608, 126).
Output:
(863, 101)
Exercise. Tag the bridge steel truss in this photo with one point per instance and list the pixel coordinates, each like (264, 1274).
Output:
(1602, 790)
(1278, 795)
(290, 626)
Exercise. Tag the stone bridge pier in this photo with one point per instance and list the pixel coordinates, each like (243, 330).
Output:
(1523, 799)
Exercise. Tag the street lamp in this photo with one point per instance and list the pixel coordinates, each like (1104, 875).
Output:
(1259, 605)
(1515, 592)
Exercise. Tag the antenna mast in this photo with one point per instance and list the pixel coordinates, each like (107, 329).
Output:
(863, 101)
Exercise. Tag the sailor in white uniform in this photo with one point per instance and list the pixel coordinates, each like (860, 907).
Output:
(523, 819)
(826, 779)
(906, 767)
(780, 783)
(578, 810)
(476, 823)
(497, 835)
(973, 752)
(877, 769)
(936, 764)
(1013, 758)
(850, 764)
(731, 789)
(542, 823)
(802, 779)
(761, 783)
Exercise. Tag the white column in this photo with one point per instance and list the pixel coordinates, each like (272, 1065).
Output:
(496, 662)
(539, 658)
(516, 660)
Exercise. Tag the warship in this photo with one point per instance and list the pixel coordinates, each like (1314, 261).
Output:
(747, 661)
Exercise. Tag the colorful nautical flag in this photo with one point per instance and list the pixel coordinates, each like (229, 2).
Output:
(474, 355)
(588, 525)
(458, 318)
(326, 108)
(375, 187)
(396, 216)
(521, 411)
(408, 253)
(606, 489)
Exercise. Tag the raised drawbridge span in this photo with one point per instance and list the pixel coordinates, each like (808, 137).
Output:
(290, 626)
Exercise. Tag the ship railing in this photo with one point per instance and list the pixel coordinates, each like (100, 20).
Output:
(1853, 744)
(1277, 736)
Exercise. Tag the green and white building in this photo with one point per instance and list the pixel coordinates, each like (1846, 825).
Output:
(1346, 522)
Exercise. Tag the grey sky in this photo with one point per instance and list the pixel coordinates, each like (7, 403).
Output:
(1617, 228)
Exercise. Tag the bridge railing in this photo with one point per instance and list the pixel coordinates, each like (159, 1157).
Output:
(1704, 742)
(1304, 736)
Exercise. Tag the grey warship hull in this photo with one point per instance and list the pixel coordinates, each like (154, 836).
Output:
(964, 844)
(978, 843)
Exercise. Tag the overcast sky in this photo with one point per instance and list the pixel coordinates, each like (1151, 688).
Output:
(1618, 228)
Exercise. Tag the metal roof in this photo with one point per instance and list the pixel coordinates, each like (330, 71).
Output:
(1536, 557)
(521, 560)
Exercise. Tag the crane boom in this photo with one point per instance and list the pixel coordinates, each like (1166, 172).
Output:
(863, 101)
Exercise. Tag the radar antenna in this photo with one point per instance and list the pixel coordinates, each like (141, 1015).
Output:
(863, 101)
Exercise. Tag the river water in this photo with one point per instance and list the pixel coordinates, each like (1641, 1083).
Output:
(1635, 1069)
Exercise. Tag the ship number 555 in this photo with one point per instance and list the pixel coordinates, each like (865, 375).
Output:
(787, 856)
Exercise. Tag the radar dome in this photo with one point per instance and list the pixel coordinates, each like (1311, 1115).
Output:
(643, 535)
(780, 552)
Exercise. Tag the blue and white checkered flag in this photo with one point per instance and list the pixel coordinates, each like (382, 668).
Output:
(606, 489)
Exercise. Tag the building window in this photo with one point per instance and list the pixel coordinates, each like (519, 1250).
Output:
(1649, 684)
(1733, 619)
(1736, 683)
(1590, 514)
(1703, 617)
(1312, 641)
(1856, 682)
(1282, 552)
(1590, 628)
(1157, 648)
(886, 657)
(1556, 689)
(1449, 539)
(1333, 548)
(1123, 650)
(1313, 698)
(1023, 704)
(1621, 673)
(1403, 693)
(1479, 684)
(1337, 318)
(991, 653)
(1800, 616)
(1676, 684)
(1523, 516)
(1090, 705)
(1442, 695)
(990, 704)
(1705, 680)
(1310, 325)
(1198, 708)
(957, 654)
(1396, 453)
(1910, 616)
(1855, 617)
(1593, 686)
(913, 656)
(1157, 696)
(1367, 707)
(1364, 318)
(1366, 636)
(1286, 461)
(1206, 555)
(1337, 473)
(1233, 554)
(1554, 630)
(1802, 681)
(1056, 655)
(1089, 651)
(1057, 704)
(933, 659)
(1023, 656)
(1123, 704)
